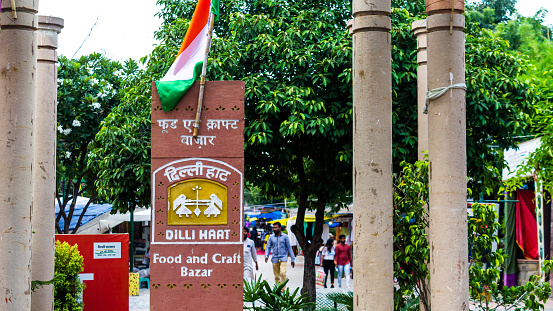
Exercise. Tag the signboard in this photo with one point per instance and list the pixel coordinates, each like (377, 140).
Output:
(106, 269)
(107, 250)
(197, 200)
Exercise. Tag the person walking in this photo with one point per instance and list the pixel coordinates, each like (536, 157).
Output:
(342, 259)
(253, 236)
(279, 245)
(250, 256)
(328, 261)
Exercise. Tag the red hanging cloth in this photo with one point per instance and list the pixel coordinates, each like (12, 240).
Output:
(526, 225)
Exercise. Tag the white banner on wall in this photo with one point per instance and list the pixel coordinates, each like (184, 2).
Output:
(107, 250)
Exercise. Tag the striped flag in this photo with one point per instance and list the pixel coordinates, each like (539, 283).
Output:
(187, 67)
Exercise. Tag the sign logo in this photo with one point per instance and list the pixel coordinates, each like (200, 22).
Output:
(197, 202)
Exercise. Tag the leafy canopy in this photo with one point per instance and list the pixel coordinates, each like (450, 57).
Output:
(88, 89)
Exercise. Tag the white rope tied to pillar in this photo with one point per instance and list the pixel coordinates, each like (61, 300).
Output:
(438, 92)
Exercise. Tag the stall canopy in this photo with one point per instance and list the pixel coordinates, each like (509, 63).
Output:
(93, 211)
(140, 214)
(309, 218)
(267, 216)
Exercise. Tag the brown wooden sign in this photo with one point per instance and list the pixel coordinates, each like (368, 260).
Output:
(197, 199)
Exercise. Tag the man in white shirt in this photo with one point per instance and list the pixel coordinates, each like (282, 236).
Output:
(250, 256)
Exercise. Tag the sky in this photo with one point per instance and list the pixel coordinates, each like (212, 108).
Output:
(530, 7)
(125, 28)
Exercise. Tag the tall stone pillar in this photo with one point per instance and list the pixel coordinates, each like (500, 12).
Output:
(372, 155)
(18, 61)
(447, 170)
(419, 29)
(44, 183)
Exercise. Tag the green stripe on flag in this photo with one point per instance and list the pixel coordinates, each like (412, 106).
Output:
(215, 8)
(171, 92)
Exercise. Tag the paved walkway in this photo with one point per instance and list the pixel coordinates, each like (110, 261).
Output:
(142, 302)
(295, 275)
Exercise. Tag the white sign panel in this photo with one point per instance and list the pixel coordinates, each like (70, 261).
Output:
(107, 250)
(516, 157)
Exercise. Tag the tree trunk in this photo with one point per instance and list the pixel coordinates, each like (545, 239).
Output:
(309, 247)
(309, 285)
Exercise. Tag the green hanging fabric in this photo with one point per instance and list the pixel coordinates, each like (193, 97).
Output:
(510, 240)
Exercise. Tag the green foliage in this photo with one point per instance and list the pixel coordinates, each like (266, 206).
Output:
(68, 287)
(274, 298)
(36, 284)
(499, 105)
(120, 157)
(345, 299)
(88, 88)
(486, 291)
(411, 250)
(529, 37)
(296, 65)
(484, 18)
(501, 9)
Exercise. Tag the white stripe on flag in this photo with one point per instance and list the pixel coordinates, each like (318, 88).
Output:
(183, 66)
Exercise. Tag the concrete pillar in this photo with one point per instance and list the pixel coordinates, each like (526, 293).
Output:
(44, 183)
(18, 61)
(419, 29)
(372, 155)
(447, 170)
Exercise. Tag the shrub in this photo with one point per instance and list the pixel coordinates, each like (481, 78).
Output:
(68, 288)
(273, 299)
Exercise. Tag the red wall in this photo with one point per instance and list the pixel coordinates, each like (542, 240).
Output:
(109, 289)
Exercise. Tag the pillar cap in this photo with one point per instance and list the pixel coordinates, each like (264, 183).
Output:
(419, 27)
(443, 6)
(50, 23)
(373, 7)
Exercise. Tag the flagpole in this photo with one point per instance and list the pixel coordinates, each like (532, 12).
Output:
(202, 79)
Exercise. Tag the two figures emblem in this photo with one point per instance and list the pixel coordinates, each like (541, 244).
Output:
(181, 205)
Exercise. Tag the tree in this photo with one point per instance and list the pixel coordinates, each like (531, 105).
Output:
(295, 59)
(120, 155)
(411, 249)
(501, 9)
(88, 88)
(500, 103)
(529, 37)
(540, 162)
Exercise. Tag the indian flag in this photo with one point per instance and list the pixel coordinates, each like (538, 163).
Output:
(187, 67)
